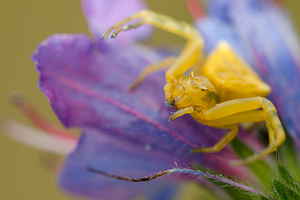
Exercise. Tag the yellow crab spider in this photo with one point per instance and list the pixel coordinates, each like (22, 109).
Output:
(221, 90)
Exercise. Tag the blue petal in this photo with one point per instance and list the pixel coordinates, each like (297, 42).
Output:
(103, 152)
(263, 35)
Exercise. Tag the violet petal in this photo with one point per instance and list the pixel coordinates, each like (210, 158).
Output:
(104, 152)
(102, 14)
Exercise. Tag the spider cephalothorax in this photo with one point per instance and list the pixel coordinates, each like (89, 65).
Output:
(196, 91)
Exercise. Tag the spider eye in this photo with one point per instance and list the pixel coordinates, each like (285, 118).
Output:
(203, 87)
(197, 85)
(192, 75)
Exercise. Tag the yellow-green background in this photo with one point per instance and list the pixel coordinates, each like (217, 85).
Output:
(23, 25)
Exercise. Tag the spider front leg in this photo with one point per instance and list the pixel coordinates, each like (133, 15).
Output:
(192, 50)
(245, 110)
(161, 21)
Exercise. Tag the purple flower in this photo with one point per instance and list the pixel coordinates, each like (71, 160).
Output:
(127, 132)
(263, 35)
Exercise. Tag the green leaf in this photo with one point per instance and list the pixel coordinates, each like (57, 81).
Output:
(287, 178)
(288, 155)
(260, 168)
(279, 189)
(262, 197)
(282, 191)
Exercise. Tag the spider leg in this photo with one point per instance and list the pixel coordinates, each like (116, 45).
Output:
(242, 110)
(181, 112)
(253, 116)
(229, 122)
(192, 50)
(222, 143)
(178, 65)
(125, 28)
(161, 21)
(188, 57)
(167, 62)
(151, 69)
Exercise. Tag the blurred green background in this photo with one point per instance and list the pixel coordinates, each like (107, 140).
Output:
(23, 25)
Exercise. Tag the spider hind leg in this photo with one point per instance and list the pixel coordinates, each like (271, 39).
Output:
(245, 110)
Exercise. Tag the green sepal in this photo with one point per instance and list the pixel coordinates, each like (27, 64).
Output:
(288, 179)
(260, 168)
(288, 156)
(282, 191)
(262, 197)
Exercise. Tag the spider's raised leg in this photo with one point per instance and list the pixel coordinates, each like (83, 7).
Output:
(192, 50)
(161, 21)
(243, 110)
